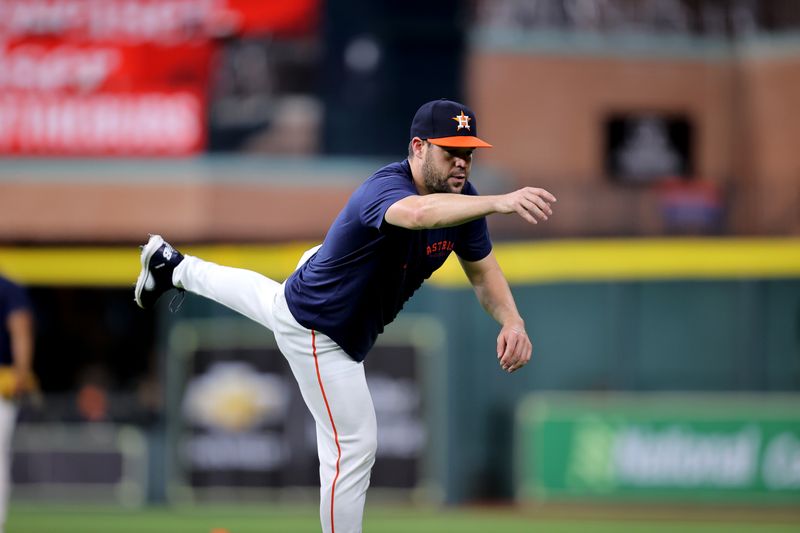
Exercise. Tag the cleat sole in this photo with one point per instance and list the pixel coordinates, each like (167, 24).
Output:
(153, 243)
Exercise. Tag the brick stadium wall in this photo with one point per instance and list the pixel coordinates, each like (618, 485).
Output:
(229, 199)
(191, 212)
(544, 112)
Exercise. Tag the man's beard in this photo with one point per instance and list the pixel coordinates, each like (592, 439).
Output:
(437, 180)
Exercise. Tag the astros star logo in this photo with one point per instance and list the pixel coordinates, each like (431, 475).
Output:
(463, 121)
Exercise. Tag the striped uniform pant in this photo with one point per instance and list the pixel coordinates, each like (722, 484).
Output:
(8, 418)
(332, 384)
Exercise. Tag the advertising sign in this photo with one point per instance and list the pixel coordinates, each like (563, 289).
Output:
(245, 423)
(660, 447)
(120, 77)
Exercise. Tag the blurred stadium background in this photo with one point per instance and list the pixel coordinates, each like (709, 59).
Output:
(663, 298)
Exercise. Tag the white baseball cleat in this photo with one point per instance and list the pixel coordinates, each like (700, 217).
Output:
(159, 260)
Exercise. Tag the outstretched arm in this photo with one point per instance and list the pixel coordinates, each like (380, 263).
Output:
(513, 345)
(20, 328)
(441, 210)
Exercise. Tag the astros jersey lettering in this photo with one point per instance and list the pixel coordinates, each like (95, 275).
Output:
(367, 269)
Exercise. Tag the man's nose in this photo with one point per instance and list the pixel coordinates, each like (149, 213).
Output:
(460, 162)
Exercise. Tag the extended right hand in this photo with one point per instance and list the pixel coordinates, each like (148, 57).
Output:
(531, 203)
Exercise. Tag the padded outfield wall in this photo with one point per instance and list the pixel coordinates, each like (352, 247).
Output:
(674, 315)
(611, 315)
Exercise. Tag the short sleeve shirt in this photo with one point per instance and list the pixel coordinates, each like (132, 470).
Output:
(366, 269)
(12, 298)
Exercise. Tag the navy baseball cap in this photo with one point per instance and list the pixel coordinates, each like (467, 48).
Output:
(447, 123)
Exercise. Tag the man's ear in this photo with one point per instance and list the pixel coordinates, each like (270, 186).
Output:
(417, 146)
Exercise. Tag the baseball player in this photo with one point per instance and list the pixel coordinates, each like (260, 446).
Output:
(396, 229)
(16, 375)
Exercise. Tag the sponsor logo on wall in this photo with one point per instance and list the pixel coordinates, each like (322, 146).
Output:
(245, 423)
(626, 449)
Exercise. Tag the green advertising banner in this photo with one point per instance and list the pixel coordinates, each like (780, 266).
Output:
(659, 447)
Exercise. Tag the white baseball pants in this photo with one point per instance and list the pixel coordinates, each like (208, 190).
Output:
(8, 419)
(332, 384)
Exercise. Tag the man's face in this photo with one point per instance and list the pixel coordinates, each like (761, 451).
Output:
(446, 169)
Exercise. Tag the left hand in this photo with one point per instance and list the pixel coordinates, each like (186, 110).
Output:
(16, 382)
(513, 348)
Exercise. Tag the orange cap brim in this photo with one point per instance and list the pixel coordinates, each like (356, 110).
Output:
(460, 141)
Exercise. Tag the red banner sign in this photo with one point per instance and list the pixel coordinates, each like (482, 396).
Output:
(102, 124)
(120, 77)
(155, 21)
(51, 66)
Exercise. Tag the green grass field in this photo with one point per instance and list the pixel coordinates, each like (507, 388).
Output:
(384, 519)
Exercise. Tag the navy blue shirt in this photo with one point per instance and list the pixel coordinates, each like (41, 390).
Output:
(12, 298)
(366, 268)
